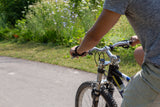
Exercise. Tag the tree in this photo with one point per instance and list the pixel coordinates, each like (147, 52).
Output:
(14, 9)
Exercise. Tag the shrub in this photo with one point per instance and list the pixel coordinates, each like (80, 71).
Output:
(50, 21)
(8, 34)
(57, 23)
(2, 21)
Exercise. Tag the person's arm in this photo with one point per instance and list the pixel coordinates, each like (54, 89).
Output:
(104, 23)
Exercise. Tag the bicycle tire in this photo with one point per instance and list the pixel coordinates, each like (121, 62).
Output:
(105, 99)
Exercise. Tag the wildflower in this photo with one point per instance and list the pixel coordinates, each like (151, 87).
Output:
(15, 36)
(23, 12)
(95, 10)
(52, 12)
(73, 5)
(64, 24)
(76, 15)
(65, 1)
(65, 9)
(30, 6)
(62, 16)
(71, 27)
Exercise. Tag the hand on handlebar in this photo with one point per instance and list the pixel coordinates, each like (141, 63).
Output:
(74, 52)
(135, 40)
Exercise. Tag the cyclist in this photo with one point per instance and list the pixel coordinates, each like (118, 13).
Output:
(144, 16)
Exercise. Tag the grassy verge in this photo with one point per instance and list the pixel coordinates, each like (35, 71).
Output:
(60, 56)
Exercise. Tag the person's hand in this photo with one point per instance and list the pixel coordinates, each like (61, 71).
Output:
(134, 40)
(75, 53)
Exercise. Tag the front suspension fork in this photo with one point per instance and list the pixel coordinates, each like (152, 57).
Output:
(96, 90)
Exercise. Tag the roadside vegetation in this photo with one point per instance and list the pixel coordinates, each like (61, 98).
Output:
(59, 55)
(44, 30)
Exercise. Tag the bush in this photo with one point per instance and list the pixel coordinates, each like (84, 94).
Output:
(54, 22)
(8, 34)
(2, 21)
(57, 23)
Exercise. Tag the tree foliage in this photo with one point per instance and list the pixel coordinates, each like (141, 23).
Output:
(14, 9)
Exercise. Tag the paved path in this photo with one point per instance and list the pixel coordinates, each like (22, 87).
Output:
(33, 84)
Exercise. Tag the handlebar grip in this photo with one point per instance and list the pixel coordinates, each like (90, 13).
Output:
(74, 55)
(90, 53)
(130, 42)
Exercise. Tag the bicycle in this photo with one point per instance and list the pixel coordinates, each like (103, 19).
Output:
(100, 92)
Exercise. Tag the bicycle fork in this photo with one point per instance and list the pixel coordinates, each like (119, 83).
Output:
(96, 90)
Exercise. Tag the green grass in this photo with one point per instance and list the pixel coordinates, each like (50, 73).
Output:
(60, 56)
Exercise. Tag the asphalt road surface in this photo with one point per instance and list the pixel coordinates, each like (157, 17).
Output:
(26, 83)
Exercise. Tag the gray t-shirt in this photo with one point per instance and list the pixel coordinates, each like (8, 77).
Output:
(144, 16)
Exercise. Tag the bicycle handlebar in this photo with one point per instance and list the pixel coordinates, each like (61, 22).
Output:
(114, 59)
(124, 44)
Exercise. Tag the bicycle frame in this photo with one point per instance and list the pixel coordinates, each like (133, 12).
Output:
(113, 78)
(115, 75)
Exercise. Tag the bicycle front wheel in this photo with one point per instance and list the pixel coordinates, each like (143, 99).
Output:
(84, 96)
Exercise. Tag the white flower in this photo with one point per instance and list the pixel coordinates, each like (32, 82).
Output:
(76, 15)
(23, 12)
(30, 6)
(73, 4)
(95, 10)
(52, 12)
(64, 24)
